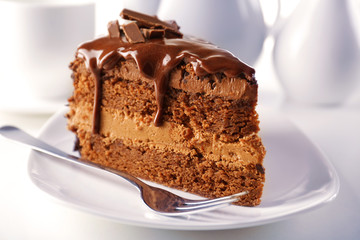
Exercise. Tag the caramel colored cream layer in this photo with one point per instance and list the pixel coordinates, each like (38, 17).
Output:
(116, 124)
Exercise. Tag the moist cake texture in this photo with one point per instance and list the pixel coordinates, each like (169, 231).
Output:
(168, 108)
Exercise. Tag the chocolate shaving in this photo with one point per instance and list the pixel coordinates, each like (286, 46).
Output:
(172, 34)
(153, 33)
(173, 24)
(148, 21)
(114, 29)
(133, 33)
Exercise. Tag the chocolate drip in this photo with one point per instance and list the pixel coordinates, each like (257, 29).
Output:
(155, 59)
(97, 95)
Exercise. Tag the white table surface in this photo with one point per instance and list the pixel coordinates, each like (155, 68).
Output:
(28, 213)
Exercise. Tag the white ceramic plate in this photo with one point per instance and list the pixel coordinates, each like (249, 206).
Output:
(298, 178)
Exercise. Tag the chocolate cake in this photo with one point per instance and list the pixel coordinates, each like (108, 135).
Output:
(168, 108)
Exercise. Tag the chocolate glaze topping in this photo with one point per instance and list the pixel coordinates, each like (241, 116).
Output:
(155, 58)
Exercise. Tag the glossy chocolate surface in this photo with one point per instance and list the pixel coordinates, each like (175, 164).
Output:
(156, 58)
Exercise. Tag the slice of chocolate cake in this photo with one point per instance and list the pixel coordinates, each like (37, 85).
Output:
(168, 108)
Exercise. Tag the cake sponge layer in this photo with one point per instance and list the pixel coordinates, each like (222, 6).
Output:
(204, 109)
(189, 172)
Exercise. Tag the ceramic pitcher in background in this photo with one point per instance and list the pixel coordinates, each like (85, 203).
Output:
(235, 25)
(316, 54)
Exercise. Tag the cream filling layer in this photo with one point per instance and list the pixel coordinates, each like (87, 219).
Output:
(115, 124)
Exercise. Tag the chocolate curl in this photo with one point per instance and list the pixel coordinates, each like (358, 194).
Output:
(172, 34)
(133, 33)
(151, 22)
(114, 29)
(153, 33)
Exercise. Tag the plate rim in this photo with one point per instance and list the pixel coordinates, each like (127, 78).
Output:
(331, 195)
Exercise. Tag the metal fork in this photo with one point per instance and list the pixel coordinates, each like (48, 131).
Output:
(159, 200)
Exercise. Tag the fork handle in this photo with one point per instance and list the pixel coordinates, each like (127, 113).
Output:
(18, 135)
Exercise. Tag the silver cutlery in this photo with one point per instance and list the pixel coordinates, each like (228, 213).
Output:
(159, 200)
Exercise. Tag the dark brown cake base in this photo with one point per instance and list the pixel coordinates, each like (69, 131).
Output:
(190, 173)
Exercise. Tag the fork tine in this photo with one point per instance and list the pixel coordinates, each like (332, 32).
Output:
(195, 208)
(209, 203)
(230, 198)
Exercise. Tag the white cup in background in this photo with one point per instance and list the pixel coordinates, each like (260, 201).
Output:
(235, 25)
(38, 41)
